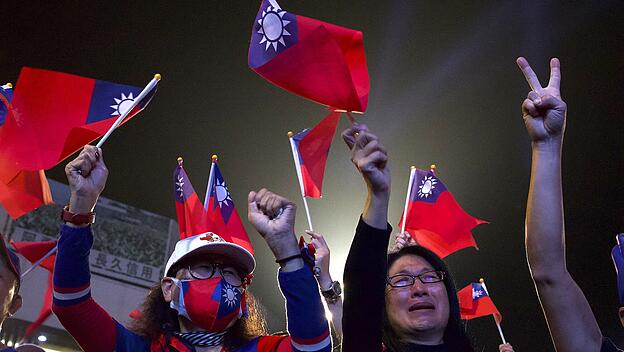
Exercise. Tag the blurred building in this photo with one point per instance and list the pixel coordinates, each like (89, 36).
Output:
(130, 249)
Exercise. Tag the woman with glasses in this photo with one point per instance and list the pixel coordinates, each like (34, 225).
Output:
(201, 304)
(407, 299)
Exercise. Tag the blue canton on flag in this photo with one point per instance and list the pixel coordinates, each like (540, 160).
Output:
(478, 291)
(183, 188)
(297, 139)
(6, 94)
(221, 195)
(112, 100)
(426, 187)
(274, 31)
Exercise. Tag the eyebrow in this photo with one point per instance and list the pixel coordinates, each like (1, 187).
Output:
(424, 270)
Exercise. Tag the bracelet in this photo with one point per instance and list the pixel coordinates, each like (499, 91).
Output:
(279, 261)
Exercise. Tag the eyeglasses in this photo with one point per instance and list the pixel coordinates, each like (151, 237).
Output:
(405, 280)
(207, 271)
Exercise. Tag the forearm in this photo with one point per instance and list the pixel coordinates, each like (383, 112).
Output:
(375, 211)
(335, 309)
(545, 242)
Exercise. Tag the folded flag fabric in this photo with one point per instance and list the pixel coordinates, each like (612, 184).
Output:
(55, 114)
(311, 148)
(617, 254)
(474, 302)
(6, 94)
(435, 219)
(192, 218)
(33, 251)
(221, 211)
(314, 59)
(23, 191)
(44, 312)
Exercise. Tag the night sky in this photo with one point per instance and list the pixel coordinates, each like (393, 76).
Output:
(445, 89)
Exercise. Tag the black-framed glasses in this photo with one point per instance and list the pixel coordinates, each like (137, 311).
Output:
(208, 271)
(406, 280)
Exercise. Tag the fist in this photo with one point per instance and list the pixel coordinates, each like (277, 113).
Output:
(273, 216)
(506, 347)
(87, 176)
(403, 240)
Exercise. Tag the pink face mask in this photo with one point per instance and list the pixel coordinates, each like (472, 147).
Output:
(210, 304)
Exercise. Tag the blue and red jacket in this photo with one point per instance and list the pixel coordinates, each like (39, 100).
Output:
(96, 331)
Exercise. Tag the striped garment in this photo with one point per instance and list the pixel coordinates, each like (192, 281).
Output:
(96, 331)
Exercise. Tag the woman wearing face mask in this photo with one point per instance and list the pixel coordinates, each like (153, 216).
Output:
(201, 305)
(421, 311)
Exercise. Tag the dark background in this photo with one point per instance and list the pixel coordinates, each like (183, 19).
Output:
(444, 89)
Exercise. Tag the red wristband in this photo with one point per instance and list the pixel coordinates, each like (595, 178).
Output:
(77, 219)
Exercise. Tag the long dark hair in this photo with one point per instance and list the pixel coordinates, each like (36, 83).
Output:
(455, 336)
(158, 318)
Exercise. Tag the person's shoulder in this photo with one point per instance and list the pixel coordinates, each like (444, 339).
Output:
(608, 346)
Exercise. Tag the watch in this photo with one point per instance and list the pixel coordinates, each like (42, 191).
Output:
(333, 293)
(77, 219)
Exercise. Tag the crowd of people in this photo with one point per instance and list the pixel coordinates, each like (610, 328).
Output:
(202, 302)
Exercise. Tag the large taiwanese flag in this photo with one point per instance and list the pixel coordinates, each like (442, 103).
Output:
(435, 219)
(20, 191)
(475, 302)
(310, 149)
(33, 251)
(221, 211)
(54, 114)
(192, 218)
(314, 59)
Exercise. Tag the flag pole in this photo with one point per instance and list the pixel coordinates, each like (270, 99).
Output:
(148, 88)
(300, 178)
(36, 264)
(214, 159)
(410, 183)
(350, 117)
(500, 330)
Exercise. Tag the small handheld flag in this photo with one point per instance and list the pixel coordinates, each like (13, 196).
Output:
(475, 302)
(433, 216)
(192, 219)
(6, 94)
(316, 60)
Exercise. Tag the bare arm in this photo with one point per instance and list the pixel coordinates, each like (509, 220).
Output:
(572, 324)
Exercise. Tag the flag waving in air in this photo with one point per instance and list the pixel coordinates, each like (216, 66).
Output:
(310, 150)
(434, 218)
(192, 218)
(475, 302)
(221, 211)
(316, 60)
(55, 114)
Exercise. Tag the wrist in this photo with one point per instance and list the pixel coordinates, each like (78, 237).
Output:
(284, 246)
(324, 281)
(549, 146)
(81, 204)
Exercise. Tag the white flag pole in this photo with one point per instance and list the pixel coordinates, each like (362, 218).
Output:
(148, 88)
(500, 330)
(36, 264)
(300, 178)
(210, 181)
(410, 183)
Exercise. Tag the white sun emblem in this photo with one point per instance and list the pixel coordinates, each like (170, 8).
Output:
(273, 27)
(223, 195)
(231, 295)
(476, 294)
(180, 183)
(427, 186)
(123, 104)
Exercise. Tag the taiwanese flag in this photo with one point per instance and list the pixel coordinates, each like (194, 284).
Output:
(221, 211)
(6, 94)
(474, 302)
(55, 114)
(33, 251)
(435, 219)
(311, 148)
(189, 209)
(316, 60)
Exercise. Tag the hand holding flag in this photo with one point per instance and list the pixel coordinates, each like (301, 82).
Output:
(87, 175)
(369, 156)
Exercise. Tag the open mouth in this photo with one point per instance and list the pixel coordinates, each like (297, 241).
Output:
(421, 306)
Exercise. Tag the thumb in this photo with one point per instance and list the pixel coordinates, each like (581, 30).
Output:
(252, 207)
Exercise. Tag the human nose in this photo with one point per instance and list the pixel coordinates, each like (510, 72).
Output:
(419, 288)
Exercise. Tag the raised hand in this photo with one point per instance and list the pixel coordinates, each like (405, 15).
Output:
(369, 156)
(543, 111)
(403, 240)
(87, 176)
(273, 216)
(321, 257)
(506, 347)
